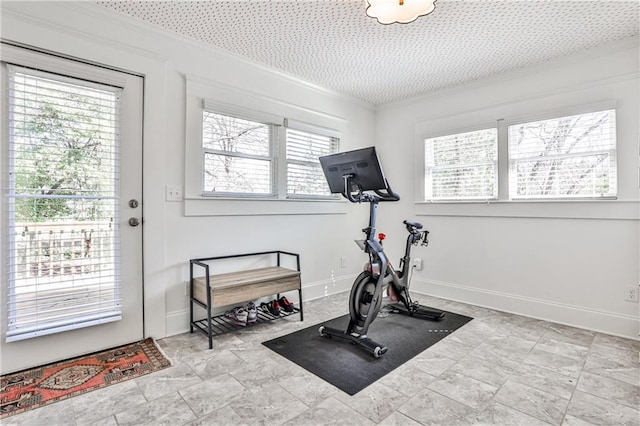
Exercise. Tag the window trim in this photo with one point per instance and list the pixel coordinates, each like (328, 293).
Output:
(592, 208)
(248, 105)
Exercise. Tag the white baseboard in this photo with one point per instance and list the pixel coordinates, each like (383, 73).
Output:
(575, 316)
(177, 322)
(327, 287)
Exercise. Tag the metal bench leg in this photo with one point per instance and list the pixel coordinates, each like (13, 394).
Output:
(300, 298)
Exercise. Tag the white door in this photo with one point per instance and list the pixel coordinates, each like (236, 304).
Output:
(71, 209)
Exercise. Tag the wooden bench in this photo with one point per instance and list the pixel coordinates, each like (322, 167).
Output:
(217, 290)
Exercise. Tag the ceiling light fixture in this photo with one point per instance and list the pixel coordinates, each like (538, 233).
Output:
(402, 11)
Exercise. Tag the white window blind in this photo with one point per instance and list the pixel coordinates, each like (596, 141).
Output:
(63, 203)
(237, 155)
(462, 166)
(567, 157)
(304, 174)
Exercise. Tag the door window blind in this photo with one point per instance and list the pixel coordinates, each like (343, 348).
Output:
(567, 157)
(462, 166)
(63, 203)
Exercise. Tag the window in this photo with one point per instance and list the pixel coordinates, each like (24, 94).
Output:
(237, 155)
(273, 168)
(462, 166)
(567, 157)
(63, 201)
(239, 159)
(304, 174)
(562, 158)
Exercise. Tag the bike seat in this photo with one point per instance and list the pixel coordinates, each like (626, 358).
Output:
(413, 224)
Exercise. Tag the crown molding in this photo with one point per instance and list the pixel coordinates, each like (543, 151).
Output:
(114, 18)
(8, 12)
(533, 69)
(13, 10)
(250, 94)
(538, 95)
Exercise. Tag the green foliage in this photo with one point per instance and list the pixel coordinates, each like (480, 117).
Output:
(60, 152)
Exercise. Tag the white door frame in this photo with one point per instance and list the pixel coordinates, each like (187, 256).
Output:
(40, 350)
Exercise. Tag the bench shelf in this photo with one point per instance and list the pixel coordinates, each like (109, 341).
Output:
(215, 290)
(220, 324)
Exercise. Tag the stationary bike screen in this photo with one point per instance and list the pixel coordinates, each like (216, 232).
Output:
(362, 165)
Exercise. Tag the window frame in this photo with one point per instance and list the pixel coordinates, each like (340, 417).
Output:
(278, 147)
(504, 171)
(621, 207)
(511, 178)
(334, 147)
(273, 142)
(223, 99)
(427, 169)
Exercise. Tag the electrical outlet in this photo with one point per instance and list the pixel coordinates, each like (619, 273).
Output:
(631, 293)
(173, 193)
(417, 263)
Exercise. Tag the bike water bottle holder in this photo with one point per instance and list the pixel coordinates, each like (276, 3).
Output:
(425, 240)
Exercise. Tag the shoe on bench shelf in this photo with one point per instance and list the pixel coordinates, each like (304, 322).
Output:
(252, 312)
(237, 315)
(285, 304)
(275, 308)
(271, 307)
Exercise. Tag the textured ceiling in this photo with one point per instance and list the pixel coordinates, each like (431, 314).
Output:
(332, 43)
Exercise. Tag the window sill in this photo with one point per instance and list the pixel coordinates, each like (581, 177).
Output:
(568, 209)
(207, 206)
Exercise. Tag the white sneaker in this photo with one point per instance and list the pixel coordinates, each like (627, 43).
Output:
(252, 312)
(237, 315)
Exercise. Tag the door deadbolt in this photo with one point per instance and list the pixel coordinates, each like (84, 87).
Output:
(134, 221)
(133, 203)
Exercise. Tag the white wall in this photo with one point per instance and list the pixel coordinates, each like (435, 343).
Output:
(569, 270)
(565, 262)
(92, 33)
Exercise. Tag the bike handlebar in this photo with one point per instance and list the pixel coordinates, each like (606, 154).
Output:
(388, 194)
(385, 194)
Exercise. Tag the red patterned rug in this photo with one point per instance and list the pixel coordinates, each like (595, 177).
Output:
(54, 382)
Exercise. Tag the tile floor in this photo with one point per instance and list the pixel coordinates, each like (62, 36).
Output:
(499, 369)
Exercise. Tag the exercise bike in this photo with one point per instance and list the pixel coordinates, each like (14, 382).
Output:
(352, 174)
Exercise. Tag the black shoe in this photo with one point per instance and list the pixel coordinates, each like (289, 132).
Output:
(275, 307)
(265, 307)
(284, 302)
(271, 307)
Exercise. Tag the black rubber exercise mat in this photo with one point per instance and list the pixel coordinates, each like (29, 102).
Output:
(349, 367)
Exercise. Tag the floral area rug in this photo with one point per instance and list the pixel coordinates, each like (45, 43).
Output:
(54, 382)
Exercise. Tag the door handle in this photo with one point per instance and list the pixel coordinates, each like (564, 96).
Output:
(134, 221)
